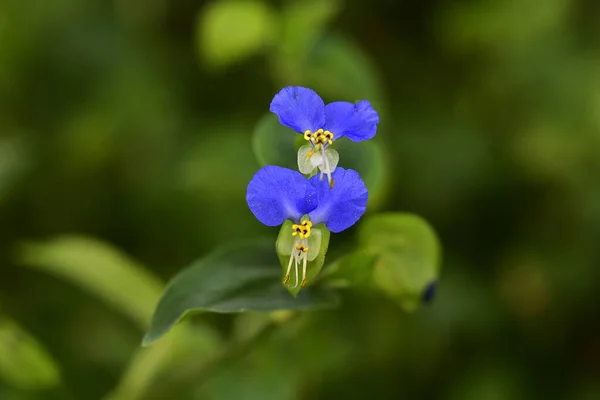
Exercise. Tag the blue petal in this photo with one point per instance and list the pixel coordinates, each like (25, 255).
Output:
(275, 194)
(356, 121)
(299, 108)
(339, 208)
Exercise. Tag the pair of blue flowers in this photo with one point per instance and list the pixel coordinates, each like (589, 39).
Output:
(277, 194)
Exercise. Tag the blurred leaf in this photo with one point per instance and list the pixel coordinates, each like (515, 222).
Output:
(369, 160)
(338, 69)
(229, 31)
(274, 144)
(24, 363)
(99, 268)
(318, 242)
(244, 277)
(351, 270)
(186, 343)
(302, 23)
(408, 255)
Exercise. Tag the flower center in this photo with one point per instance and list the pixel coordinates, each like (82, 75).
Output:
(320, 140)
(303, 230)
(299, 254)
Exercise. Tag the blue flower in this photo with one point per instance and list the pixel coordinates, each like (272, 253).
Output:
(341, 207)
(276, 194)
(304, 111)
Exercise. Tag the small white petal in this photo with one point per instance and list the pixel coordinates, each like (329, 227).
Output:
(304, 161)
(316, 160)
(333, 157)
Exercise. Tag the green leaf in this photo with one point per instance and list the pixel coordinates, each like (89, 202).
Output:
(244, 277)
(408, 253)
(275, 144)
(24, 363)
(228, 31)
(131, 289)
(318, 242)
(99, 268)
(354, 269)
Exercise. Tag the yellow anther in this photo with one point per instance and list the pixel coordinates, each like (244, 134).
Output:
(300, 247)
(310, 154)
(319, 137)
(331, 184)
(302, 230)
(303, 282)
(286, 279)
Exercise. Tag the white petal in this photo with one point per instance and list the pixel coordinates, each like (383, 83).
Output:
(316, 160)
(304, 161)
(333, 157)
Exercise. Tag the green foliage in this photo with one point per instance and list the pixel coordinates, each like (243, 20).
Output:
(238, 278)
(408, 253)
(353, 270)
(231, 30)
(100, 269)
(25, 363)
(131, 121)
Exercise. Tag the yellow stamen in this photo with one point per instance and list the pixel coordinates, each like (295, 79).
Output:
(301, 248)
(302, 230)
(319, 137)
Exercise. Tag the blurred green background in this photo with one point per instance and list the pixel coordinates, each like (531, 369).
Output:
(126, 133)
